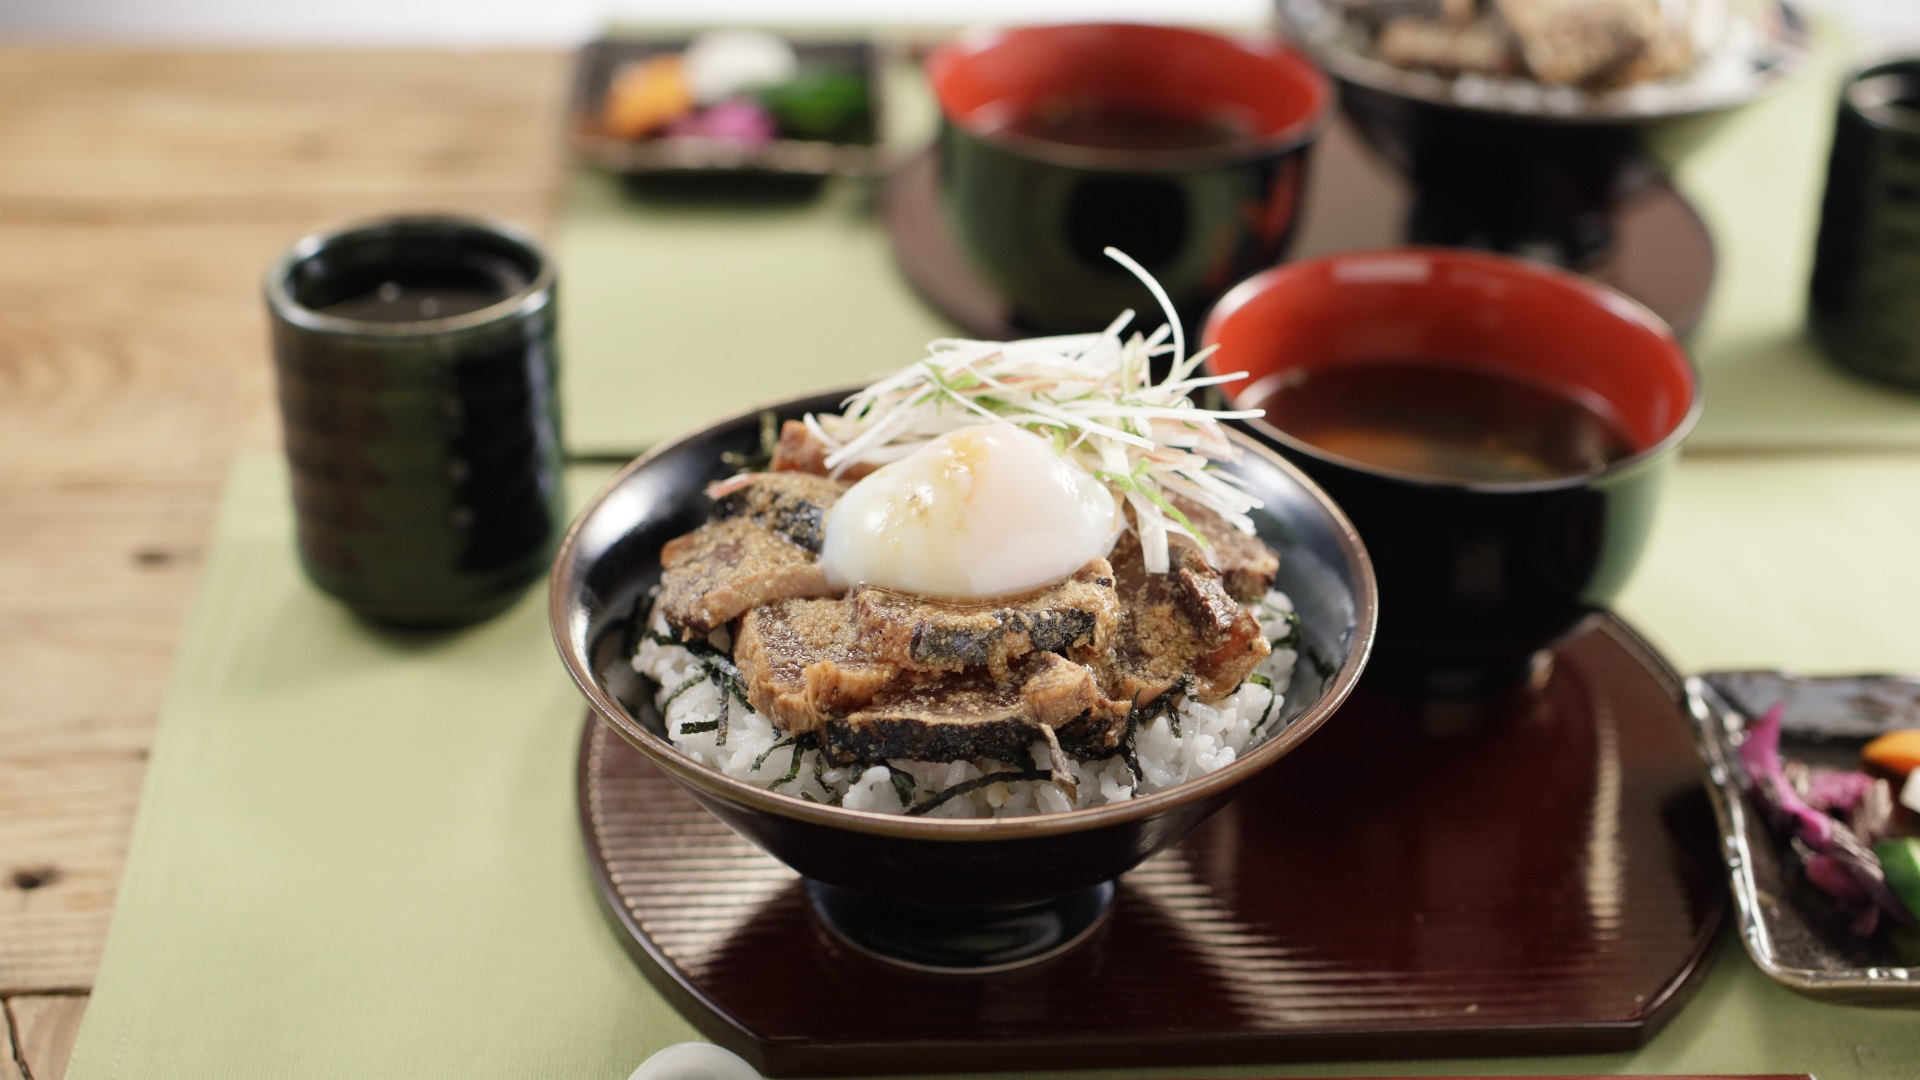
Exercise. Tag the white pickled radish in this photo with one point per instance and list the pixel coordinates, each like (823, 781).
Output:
(726, 63)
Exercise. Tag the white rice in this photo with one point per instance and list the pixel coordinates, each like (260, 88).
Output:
(1210, 738)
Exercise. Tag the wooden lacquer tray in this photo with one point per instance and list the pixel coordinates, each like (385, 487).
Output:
(1534, 875)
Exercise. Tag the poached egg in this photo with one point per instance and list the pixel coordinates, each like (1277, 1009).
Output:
(979, 512)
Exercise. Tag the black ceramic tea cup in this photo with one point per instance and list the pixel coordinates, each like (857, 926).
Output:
(1497, 430)
(1865, 302)
(416, 372)
(1184, 149)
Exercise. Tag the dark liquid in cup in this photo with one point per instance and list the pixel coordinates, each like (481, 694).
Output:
(1445, 421)
(1134, 129)
(418, 292)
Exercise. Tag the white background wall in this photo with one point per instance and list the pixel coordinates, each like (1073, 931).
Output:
(496, 22)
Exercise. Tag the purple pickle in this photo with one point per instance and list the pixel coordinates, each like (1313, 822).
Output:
(1835, 878)
(740, 120)
(1836, 861)
(1760, 753)
(1837, 791)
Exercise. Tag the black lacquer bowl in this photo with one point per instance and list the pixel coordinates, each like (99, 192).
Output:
(1034, 216)
(876, 876)
(1511, 166)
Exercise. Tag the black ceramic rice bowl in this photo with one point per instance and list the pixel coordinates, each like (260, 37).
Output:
(611, 559)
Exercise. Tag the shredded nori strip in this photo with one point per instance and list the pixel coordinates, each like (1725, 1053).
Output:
(1258, 679)
(1141, 715)
(720, 670)
(768, 752)
(1320, 663)
(720, 666)
(801, 744)
(694, 727)
(1292, 639)
(693, 680)
(975, 784)
(1129, 754)
(903, 783)
(1131, 757)
(820, 777)
(637, 629)
(761, 458)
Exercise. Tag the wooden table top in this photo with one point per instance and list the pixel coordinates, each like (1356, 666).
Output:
(142, 194)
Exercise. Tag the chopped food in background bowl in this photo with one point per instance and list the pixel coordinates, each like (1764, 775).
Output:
(1555, 58)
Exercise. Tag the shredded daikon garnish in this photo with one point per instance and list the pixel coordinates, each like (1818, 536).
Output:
(1092, 394)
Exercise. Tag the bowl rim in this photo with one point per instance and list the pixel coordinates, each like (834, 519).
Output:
(1302, 132)
(714, 783)
(1885, 59)
(1613, 300)
(537, 294)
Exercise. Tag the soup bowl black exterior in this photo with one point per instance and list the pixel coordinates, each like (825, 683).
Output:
(611, 558)
(1034, 217)
(1478, 579)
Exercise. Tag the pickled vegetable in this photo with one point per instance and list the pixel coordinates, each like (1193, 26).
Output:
(1895, 754)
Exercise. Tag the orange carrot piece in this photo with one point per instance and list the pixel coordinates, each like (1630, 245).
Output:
(1896, 752)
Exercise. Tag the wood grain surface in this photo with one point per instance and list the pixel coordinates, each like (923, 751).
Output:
(142, 193)
(44, 1027)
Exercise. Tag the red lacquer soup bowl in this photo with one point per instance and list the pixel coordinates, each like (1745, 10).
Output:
(1476, 575)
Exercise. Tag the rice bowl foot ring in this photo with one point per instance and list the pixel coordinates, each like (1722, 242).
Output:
(961, 939)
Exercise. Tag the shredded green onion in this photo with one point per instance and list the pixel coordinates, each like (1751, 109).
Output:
(1092, 395)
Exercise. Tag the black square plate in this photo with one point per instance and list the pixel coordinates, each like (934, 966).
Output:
(597, 62)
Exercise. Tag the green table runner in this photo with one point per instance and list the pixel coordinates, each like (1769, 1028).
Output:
(356, 854)
(1807, 564)
(674, 314)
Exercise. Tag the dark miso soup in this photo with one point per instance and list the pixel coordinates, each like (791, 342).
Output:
(1447, 421)
(1101, 125)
